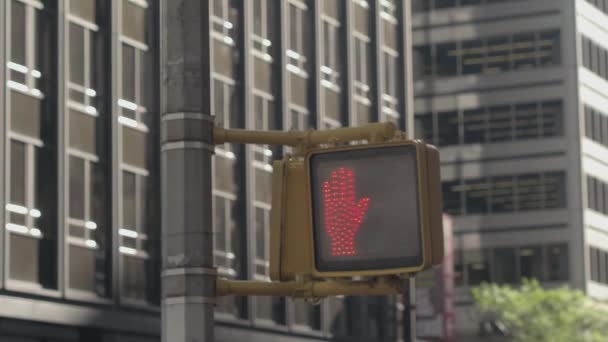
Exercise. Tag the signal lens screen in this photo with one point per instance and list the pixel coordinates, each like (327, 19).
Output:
(365, 209)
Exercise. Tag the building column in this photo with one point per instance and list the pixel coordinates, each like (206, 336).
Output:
(188, 276)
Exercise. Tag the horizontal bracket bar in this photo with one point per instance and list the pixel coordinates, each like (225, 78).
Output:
(311, 288)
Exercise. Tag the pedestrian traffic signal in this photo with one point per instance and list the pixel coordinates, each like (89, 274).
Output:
(361, 210)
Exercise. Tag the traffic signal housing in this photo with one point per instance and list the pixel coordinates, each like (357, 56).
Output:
(360, 210)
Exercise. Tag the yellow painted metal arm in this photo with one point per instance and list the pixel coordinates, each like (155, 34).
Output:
(372, 132)
(310, 289)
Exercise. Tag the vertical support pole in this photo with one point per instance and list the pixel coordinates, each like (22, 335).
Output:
(188, 277)
(409, 313)
(4, 113)
(407, 108)
(62, 142)
(407, 61)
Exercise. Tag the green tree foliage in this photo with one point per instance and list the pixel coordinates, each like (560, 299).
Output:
(531, 313)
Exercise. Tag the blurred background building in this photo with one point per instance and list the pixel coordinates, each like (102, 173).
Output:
(79, 239)
(515, 94)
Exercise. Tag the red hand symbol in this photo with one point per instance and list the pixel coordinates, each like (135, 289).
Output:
(342, 215)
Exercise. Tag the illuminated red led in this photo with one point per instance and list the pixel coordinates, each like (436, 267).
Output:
(342, 214)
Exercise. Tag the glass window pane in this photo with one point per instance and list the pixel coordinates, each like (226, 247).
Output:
(448, 128)
(499, 121)
(504, 270)
(24, 254)
(17, 173)
(134, 21)
(76, 63)
(554, 190)
(531, 263)
(477, 196)
(299, 90)
(128, 72)
(529, 192)
(558, 263)
(263, 75)
(552, 118)
(503, 194)
(144, 216)
(362, 18)
(77, 188)
(99, 200)
(257, 17)
(260, 233)
(219, 223)
(473, 53)
(478, 266)
(332, 101)
(25, 114)
(498, 60)
(527, 121)
(390, 35)
(549, 47)
(263, 185)
(84, 9)
(423, 61)
(523, 55)
(223, 59)
(128, 200)
(474, 126)
(82, 132)
(363, 114)
(134, 147)
(447, 58)
(424, 127)
(82, 269)
(452, 199)
(134, 279)
(225, 176)
(18, 40)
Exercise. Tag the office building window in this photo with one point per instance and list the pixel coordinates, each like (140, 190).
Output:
(504, 194)
(88, 167)
(490, 55)
(597, 195)
(31, 152)
(391, 71)
(332, 60)
(229, 230)
(509, 265)
(595, 57)
(138, 229)
(500, 123)
(267, 308)
(504, 266)
(596, 125)
(477, 266)
(362, 57)
(598, 265)
(298, 55)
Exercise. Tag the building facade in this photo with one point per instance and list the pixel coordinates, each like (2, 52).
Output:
(514, 93)
(79, 92)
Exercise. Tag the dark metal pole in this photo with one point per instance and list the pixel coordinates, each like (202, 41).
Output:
(188, 277)
(409, 312)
